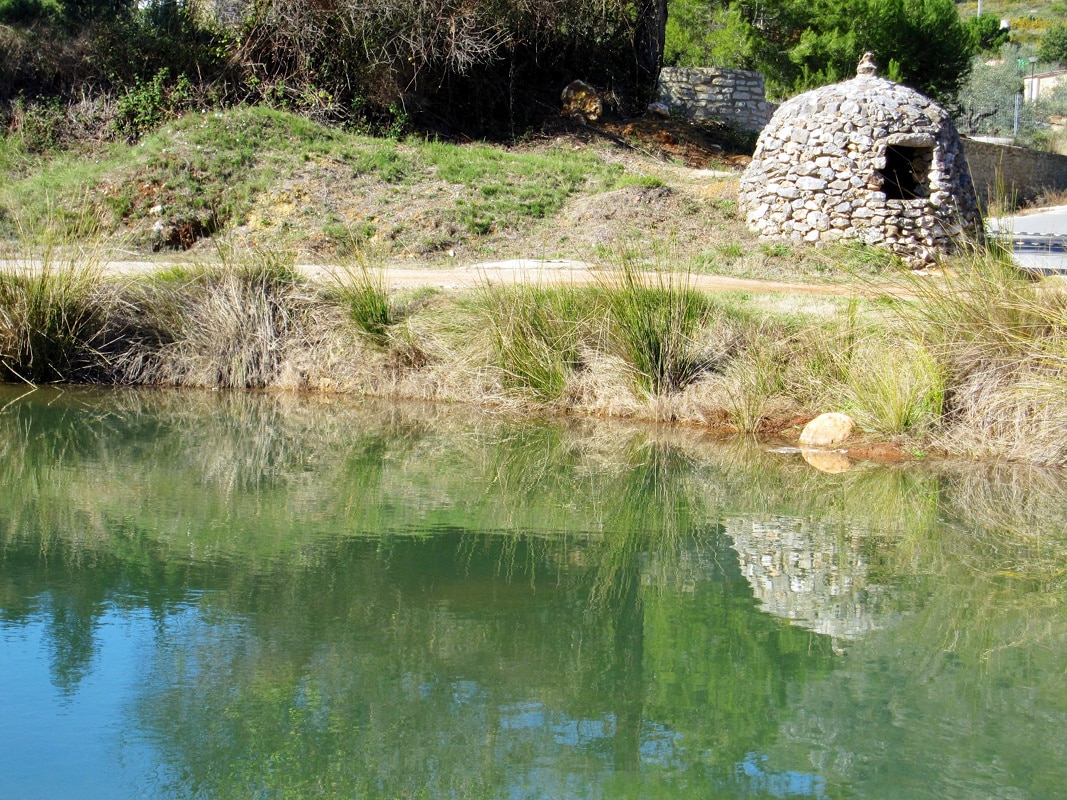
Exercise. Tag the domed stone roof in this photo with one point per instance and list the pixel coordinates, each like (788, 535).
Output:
(864, 159)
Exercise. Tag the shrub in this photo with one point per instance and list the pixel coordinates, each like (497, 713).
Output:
(142, 108)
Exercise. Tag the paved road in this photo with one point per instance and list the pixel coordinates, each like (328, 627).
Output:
(1038, 240)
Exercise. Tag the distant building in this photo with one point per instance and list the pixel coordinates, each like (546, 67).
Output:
(1042, 84)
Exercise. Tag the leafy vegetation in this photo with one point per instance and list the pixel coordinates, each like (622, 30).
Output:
(481, 67)
(922, 43)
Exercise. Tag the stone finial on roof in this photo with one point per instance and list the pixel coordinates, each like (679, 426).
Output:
(867, 65)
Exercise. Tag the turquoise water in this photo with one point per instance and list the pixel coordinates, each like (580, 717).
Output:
(232, 595)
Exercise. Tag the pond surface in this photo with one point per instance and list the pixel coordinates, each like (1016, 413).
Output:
(241, 596)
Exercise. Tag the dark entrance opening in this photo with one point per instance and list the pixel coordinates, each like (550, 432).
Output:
(906, 168)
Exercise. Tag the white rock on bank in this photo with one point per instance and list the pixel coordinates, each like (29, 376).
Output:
(826, 430)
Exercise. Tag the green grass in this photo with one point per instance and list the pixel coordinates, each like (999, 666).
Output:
(656, 325)
(536, 334)
(505, 188)
(361, 290)
(211, 169)
(53, 318)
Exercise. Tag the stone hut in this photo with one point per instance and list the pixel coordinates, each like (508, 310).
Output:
(865, 159)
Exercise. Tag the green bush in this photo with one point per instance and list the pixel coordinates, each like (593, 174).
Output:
(145, 106)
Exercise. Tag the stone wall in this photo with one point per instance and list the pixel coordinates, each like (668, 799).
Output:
(999, 170)
(735, 97)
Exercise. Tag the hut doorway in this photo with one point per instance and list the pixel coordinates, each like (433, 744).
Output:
(905, 172)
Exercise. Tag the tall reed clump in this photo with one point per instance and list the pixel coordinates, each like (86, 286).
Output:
(53, 311)
(226, 326)
(893, 385)
(1001, 340)
(535, 334)
(362, 292)
(758, 375)
(657, 326)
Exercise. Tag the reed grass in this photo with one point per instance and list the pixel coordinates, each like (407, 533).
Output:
(655, 324)
(226, 325)
(1000, 339)
(535, 334)
(361, 290)
(977, 363)
(894, 386)
(753, 381)
(53, 313)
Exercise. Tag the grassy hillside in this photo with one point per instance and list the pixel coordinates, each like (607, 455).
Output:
(254, 178)
(1028, 20)
(288, 178)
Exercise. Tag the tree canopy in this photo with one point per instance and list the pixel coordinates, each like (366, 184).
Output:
(1054, 45)
(799, 45)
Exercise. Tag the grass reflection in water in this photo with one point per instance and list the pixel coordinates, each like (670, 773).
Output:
(366, 601)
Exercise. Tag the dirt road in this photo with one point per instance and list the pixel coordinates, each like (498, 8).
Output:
(534, 272)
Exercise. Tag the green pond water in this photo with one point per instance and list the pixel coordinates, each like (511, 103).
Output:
(240, 596)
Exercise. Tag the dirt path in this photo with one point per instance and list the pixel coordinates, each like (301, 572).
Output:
(552, 273)
(534, 272)
(530, 271)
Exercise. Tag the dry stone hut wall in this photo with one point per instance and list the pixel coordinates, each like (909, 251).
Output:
(735, 97)
(866, 159)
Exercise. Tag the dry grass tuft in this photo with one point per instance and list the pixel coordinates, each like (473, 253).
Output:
(1001, 340)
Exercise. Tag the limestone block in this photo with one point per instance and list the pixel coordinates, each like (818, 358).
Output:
(581, 100)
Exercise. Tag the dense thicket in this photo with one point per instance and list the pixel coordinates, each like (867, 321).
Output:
(476, 64)
(473, 66)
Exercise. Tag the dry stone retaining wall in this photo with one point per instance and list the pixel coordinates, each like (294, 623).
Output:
(1006, 172)
(735, 97)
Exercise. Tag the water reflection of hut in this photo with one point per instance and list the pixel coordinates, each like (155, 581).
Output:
(813, 575)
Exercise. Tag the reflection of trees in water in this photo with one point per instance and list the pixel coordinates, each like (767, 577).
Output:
(477, 593)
